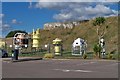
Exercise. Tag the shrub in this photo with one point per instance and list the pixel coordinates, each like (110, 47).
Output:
(110, 56)
(113, 51)
(97, 50)
(84, 56)
(49, 55)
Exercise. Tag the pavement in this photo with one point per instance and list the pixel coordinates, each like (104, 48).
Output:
(59, 68)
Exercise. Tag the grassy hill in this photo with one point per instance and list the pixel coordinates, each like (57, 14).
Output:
(85, 30)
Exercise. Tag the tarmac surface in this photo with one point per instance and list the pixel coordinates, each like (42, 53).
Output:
(60, 68)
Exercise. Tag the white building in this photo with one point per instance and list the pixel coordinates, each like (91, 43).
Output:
(79, 46)
(70, 25)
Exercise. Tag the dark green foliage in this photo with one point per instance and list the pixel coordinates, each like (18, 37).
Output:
(68, 33)
(12, 33)
(107, 26)
(113, 51)
(97, 48)
(99, 21)
(84, 56)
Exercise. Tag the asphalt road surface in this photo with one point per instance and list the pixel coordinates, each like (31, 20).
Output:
(73, 68)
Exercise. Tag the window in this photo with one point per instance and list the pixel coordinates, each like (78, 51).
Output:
(76, 43)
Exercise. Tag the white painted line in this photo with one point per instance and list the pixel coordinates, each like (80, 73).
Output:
(67, 70)
(86, 63)
(81, 71)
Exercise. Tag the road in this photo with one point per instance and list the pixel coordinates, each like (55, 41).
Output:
(61, 68)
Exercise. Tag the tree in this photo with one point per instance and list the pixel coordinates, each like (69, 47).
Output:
(100, 28)
(12, 33)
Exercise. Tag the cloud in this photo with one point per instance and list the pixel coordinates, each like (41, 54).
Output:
(59, 5)
(82, 13)
(6, 27)
(3, 29)
(77, 10)
(0, 22)
(78, 0)
(51, 5)
(63, 16)
(1, 15)
(99, 9)
(14, 21)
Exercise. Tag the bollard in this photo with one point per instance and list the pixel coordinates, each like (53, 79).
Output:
(12, 54)
(15, 54)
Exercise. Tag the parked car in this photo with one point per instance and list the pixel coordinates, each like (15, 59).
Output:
(3, 53)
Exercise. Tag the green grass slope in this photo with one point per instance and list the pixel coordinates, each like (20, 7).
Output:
(85, 30)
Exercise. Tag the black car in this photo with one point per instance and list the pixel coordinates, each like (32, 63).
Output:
(3, 53)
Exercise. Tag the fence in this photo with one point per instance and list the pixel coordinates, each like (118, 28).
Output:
(66, 50)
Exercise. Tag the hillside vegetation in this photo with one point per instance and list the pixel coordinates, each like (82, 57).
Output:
(85, 30)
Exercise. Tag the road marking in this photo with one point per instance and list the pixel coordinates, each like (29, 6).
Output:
(92, 62)
(86, 63)
(67, 70)
(7, 61)
(60, 59)
(82, 71)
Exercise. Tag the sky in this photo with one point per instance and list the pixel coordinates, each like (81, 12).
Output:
(28, 15)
